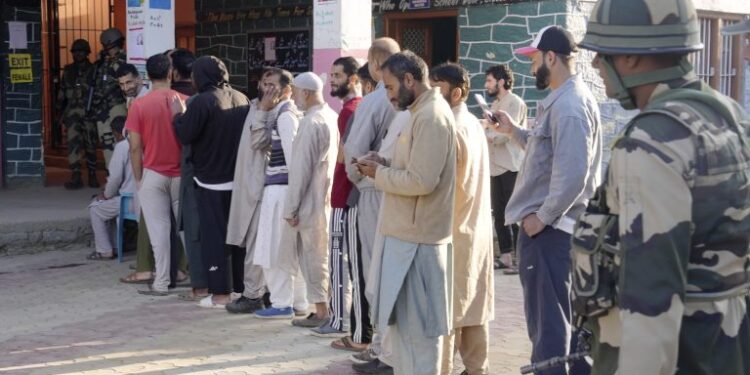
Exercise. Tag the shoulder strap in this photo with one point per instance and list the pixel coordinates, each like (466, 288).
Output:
(729, 110)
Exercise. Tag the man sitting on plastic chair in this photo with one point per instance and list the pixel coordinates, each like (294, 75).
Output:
(106, 206)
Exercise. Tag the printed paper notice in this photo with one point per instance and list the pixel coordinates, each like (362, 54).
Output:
(269, 50)
(18, 39)
(21, 76)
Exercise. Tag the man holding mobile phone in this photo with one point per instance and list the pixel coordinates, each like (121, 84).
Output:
(558, 175)
(505, 160)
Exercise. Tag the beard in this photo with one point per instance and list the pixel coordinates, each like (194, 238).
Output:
(405, 98)
(493, 91)
(341, 92)
(542, 77)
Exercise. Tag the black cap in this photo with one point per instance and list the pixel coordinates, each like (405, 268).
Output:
(551, 38)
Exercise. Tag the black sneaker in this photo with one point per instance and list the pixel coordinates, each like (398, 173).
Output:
(373, 367)
(244, 305)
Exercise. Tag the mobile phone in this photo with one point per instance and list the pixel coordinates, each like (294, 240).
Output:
(485, 108)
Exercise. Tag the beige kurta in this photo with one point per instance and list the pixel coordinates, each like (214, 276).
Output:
(505, 155)
(473, 276)
(309, 195)
(249, 179)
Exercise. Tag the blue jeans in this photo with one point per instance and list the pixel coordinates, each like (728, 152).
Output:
(544, 267)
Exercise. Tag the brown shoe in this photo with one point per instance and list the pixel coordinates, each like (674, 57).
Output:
(311, 321)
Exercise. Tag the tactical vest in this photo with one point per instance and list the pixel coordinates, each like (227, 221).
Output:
(720, 178)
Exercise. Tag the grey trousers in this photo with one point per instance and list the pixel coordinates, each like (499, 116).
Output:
(159, 198)
(368, 208)
(101, 213)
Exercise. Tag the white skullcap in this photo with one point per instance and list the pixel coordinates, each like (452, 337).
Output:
(308, 81)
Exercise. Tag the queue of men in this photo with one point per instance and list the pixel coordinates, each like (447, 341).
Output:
(282, 203)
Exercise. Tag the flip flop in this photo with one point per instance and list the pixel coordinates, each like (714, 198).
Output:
(345, 343)
(130, 279)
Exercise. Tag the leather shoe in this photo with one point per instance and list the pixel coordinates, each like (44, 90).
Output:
(373, 367)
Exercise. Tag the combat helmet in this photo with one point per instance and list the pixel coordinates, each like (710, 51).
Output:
(642, 27)
(111, 37)
(80, 45)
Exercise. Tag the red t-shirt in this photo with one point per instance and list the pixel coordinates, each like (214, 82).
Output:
(151, 117)
(341, 184)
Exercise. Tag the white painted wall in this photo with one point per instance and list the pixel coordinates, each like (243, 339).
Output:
(725, 6)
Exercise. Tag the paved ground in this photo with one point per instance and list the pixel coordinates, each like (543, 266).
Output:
(21, 205)
(60, 314)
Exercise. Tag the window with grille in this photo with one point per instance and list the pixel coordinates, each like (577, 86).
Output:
(720, 62)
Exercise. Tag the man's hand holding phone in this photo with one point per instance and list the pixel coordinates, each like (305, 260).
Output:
(499, 121)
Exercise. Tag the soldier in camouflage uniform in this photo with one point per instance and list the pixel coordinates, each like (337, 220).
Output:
(71, 103)
(661, 265)
(107, 99)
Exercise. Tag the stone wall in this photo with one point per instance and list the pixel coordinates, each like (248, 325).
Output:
(228, 40)
(22, 105)
(488, 35)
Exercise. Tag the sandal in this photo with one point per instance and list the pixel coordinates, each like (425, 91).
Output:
(133, 279)
(153, 292)
(98, 256)
(346, 343)
(190, 296)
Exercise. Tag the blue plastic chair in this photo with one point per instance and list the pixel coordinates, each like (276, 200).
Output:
(126, 200)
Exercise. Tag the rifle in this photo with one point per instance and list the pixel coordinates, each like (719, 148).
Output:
(92, 81)
(552, 362)
(583, 348)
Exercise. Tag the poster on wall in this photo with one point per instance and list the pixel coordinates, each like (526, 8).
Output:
(288, 49)
(136, 22)
(327, 24)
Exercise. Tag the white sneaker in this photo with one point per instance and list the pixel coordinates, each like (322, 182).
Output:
(208, 303)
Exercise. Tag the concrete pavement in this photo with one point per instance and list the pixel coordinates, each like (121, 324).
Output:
(61, 314)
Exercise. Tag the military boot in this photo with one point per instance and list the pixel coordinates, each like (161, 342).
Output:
(75, 181)
(93, 183)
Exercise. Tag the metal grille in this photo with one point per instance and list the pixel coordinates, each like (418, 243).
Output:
(701, 60)
(81, 19)
(414, 40)
(727, 70)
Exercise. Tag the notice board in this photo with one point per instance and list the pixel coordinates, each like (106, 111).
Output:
(289, 49)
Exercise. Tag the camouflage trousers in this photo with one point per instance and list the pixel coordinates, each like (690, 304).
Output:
(81, 136)
(105, 131)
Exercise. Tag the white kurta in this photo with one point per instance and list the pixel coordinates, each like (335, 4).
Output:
(268, 252)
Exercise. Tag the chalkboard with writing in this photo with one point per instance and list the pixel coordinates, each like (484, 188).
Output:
(288, 49)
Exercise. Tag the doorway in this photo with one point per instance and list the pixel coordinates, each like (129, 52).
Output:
(433, 35)
(63, 22)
